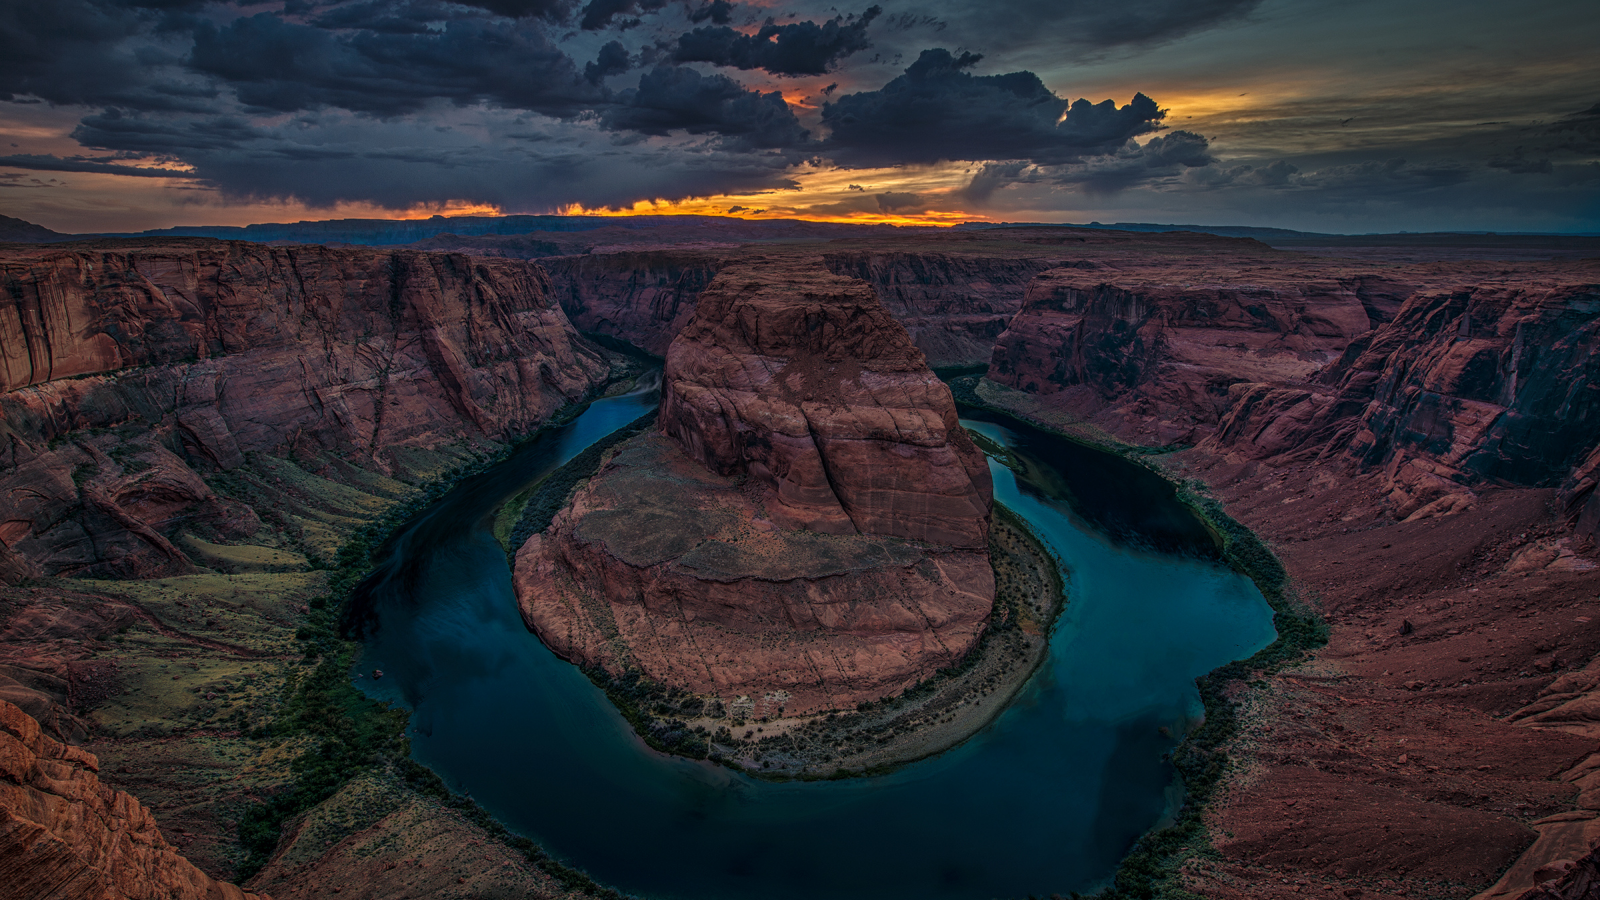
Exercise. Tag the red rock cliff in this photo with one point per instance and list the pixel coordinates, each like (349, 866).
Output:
(65, 835)
(954, 304)
(803, 381)
(196, 352)
(1164, 342)
(1495, 382)
(643, 297)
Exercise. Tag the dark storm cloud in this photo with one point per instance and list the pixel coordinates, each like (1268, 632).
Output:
(903, 202)
(799, 48)
(101, 165)
(1162, 157)
(1384, 176)
(385, 16)
(1519, 162)
(675, 98)
(1374, 177)
(992, 177)
(556, 10)
(180, 137)
(612, 60)
(286, 67)
(720, 12)
(512, 159)
(92, 52)
(599, 13)
(939, 111)
(1091, 26)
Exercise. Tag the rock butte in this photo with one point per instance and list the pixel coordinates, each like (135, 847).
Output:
(808, 530)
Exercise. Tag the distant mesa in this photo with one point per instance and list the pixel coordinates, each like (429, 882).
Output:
(22, 232)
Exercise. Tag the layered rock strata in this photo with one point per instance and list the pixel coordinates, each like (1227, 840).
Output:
(643, 298)
(1165, 344)
(132, 367)
(1440, 378)
(65, 835)
(953, 304)
(1490, 383)
(808, 531)
(802, 381)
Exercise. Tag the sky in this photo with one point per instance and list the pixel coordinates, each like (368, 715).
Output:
(1357, 116)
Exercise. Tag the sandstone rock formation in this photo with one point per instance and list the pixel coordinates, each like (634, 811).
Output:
(1166, 341)
(809, 531)
(1485, 383)
(643, 298)
(802, 381)
(953, 303)
(129, 365)
(63, 834)
(1440, 377)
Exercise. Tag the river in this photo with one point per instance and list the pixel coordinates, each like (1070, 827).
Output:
(1047, 799)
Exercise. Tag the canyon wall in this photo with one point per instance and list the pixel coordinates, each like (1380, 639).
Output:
(133, 367)
(65, 835)
(810, 527)
(1439, 377)
(1156, 350)
(1495, 382)
(953, 304)
(642, 298)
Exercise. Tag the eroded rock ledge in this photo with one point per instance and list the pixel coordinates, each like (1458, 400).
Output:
(809, 530)
(802, 381)
(64, 834)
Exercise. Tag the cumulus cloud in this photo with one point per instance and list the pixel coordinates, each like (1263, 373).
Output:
(612, 60)
(798, 48)
(939, 111)
(720, 12)
(677, 98)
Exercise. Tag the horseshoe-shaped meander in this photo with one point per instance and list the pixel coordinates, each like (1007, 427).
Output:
(1046, 799)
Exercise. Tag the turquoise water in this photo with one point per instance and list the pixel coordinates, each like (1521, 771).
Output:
(1045, 800)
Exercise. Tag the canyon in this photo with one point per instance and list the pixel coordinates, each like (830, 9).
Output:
(194, 427)
(194, 430)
